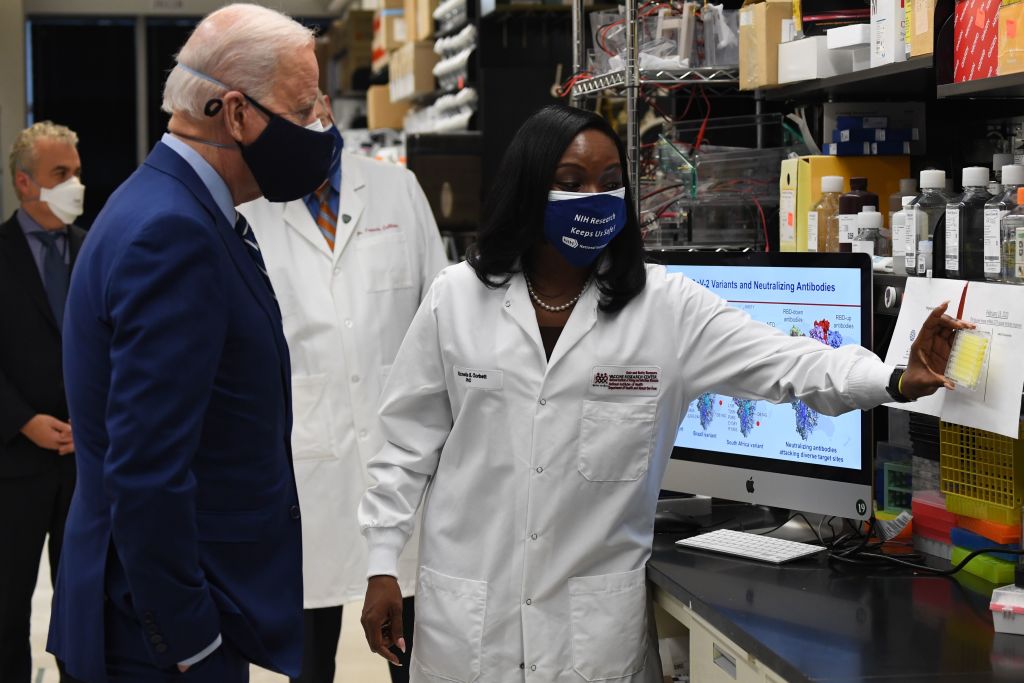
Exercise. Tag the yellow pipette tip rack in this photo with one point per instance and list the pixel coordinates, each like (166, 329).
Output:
(969, 358)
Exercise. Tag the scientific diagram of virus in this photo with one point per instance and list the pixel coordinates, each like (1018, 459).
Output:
(705, 406)
(745, 411)
(807, 417)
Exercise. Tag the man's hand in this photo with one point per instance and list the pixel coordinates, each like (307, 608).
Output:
(382, 617)
(50, 433)
(929, 354)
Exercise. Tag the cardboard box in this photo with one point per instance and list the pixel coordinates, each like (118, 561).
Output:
(800, 188)
(975, 40)
(389, 31)
(922, 27)
(888, 29)
(381, 112)
(1011, 37)
(354, 32)
(760, 35)
(412, 71)
(810, 58)
(419, 19)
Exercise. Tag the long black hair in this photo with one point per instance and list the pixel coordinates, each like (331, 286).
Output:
(513, 220)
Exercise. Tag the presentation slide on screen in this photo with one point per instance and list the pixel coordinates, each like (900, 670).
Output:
(820, 303)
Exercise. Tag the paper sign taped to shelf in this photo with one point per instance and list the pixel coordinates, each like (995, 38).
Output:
(1000, 308)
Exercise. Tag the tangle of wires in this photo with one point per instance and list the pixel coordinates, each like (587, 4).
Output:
(856, 546)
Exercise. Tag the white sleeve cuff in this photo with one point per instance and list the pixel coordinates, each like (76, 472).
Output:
(868, 382)
(385, 545)
(204, 654)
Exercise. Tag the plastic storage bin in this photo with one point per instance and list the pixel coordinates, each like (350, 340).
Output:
(982, 473)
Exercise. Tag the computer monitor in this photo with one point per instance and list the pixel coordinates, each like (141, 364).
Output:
(786, 455)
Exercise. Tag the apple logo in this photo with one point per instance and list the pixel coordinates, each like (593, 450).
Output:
(750, 485)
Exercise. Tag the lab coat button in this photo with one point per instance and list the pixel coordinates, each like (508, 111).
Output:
(539, 470)
(543, 401)
(534, 537)
(355, 379)
(522, 665)
(348, 324)
(533, 667)
(294, 512)
(508, 304)
(529, 602)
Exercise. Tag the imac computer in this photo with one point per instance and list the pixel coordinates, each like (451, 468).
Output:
(787, 455)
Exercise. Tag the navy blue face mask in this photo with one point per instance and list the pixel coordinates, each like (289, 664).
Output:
(580, 225)
(287, 160)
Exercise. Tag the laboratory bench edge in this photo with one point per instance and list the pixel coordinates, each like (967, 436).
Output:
(806, 622)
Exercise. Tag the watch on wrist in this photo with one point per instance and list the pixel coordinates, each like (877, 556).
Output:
(894, 386)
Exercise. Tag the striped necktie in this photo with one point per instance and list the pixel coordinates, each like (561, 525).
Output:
(326, 220)
(252, 248)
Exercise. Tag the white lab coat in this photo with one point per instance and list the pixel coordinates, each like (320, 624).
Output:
(537, 524)
(345, 313)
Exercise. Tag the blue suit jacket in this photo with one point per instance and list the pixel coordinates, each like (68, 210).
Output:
(185, 515)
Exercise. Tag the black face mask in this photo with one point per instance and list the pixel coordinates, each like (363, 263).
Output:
(287, 160)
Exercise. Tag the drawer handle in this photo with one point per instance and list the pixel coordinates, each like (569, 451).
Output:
(724, 661)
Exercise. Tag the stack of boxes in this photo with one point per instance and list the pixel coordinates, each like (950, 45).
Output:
(870, 136)
(401, 33)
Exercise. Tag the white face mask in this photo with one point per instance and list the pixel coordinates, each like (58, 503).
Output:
(66, 200)
(316, 126)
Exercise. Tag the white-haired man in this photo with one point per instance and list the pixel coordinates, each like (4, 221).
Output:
(38, 246)
(182, 550)
(350, 264)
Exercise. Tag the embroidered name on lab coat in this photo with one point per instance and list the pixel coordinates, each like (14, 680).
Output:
(626, 380)
(478, 379)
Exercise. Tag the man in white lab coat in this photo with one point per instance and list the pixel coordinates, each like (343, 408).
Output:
(350, 265)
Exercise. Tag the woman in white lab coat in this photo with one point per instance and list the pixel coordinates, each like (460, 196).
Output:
(538, 393)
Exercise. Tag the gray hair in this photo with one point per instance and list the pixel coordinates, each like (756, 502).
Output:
(239, 45)
(23, 152)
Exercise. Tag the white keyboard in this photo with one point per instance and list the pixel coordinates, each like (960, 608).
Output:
(751, 546)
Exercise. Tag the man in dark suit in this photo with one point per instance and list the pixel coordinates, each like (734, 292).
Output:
(182, 551)
(38, 246)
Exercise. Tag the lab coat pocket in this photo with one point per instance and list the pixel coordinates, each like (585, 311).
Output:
(449, 626)
(615, 440)
(608, 617)
(384, 261)
(311, 436)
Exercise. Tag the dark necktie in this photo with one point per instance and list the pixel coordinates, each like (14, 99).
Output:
(252, 247)
(55, 273)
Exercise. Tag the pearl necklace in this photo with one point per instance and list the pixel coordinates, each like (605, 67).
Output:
(549, 307)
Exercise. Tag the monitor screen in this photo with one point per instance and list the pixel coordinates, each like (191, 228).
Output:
(786, 455)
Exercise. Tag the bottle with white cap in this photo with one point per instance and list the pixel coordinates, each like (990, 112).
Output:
(1012, 226)
(869, 227)
(996, 185)
(903, 240)
(823, 219)
(924, 258)
(928, 212)
(996, 241)
(908, 186)
(965, 227)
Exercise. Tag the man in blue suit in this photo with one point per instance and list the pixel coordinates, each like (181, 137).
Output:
(182, 554)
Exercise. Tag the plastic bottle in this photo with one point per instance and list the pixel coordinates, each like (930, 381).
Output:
(996, 185)
(851, 204)
(929, 211)
(995, 210)
(924, 258)
(965, 227)
(1012, 226)
(902, 240)
(908, 186)
(869, 240)
(823, 219)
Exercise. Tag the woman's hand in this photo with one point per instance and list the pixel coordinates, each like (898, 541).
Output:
(929, 354)
(382, 617)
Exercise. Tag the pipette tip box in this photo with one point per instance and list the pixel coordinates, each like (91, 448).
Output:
(968, 359)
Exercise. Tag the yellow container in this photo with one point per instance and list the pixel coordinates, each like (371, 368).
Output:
(982, 473)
